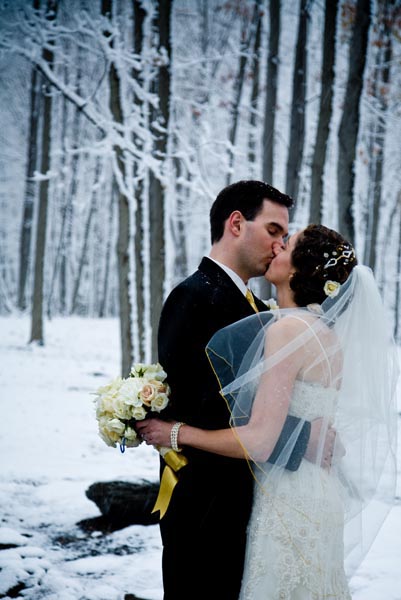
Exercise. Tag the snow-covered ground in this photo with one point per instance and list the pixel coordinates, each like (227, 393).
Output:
(50, 453)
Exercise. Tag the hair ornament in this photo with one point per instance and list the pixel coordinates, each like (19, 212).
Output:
(347, 253)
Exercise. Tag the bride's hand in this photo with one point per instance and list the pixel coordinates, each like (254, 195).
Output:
(155, 432)
(332, 449)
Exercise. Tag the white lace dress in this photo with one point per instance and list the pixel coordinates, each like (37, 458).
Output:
(295, 535)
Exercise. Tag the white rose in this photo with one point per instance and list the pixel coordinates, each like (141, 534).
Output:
(153, 371)
(106, 397)
(138, 413)
(131, 438)
(111, 430)
(110, 388)
(122, 410)
(157, 372)
(129, 391)
(271, 304)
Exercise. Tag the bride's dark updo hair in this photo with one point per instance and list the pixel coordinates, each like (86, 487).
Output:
(320, 255)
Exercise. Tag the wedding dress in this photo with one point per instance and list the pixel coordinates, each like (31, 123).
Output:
(296, 528)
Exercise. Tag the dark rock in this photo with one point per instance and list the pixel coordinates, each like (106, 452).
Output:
(121, 504)
(14, 592)
(8, 546)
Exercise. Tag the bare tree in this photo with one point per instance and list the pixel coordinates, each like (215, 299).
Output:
(349, 125)
(40, 245)
(156, 186)
(85, 244)
(247, 34)
(265, 288)
(397, 315)
(271, 92)
(123, 216)
(297, 127)
(325, 110)
(105, 288)
(139, 18)
(255, 71)
(30, 185)
(178, 228)
(380, 93)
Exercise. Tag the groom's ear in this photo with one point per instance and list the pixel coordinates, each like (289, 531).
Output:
(234, 222)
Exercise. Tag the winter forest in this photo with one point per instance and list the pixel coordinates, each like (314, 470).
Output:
(121, 120)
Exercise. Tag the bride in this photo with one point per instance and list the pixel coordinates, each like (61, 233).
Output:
(326, 353)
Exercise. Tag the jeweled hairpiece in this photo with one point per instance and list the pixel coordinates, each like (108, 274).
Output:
(345, 252)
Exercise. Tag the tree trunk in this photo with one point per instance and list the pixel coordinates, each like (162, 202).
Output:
(271, 92)
(255, 70)
(325, 111)
(139, 18)
(84, 251)
(63, 202)
(123, 241)
(265, 289)
(397, 315)
(66, 253)
(103, 301)
(30, 185)
(178, 227)
(297, 128)
(124, 272)
(381, 88)
(349, 126)
(238, 87)
(156, 186)
(37, 303)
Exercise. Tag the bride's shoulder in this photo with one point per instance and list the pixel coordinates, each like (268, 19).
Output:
(288, 326)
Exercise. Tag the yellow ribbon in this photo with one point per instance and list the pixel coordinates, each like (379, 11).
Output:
(174, 462)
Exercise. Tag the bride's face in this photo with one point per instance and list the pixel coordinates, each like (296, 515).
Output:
(281, 267)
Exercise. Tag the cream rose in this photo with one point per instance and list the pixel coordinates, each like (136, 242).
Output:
(159, 402)
(331, 288)
(148, 393)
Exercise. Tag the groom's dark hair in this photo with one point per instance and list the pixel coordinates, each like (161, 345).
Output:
(247, 196)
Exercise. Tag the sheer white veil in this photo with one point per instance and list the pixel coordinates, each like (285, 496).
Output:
(358, 366)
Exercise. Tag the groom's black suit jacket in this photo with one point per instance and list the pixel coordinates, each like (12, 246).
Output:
(205, 524)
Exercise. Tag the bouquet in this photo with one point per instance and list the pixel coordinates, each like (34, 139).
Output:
(122, 402)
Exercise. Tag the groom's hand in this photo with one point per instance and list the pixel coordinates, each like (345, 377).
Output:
(326, 450)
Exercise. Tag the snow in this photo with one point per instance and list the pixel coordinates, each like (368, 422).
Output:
(51, 453)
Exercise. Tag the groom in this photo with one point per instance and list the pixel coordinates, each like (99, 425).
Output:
(204, 529)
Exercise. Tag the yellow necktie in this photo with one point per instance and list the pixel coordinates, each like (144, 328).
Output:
(251, 300)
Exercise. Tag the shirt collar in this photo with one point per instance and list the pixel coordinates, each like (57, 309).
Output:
(233, 275)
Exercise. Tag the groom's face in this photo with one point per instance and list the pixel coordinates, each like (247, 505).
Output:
(261, 238)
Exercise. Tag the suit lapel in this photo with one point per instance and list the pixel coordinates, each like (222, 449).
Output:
(227, 286)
